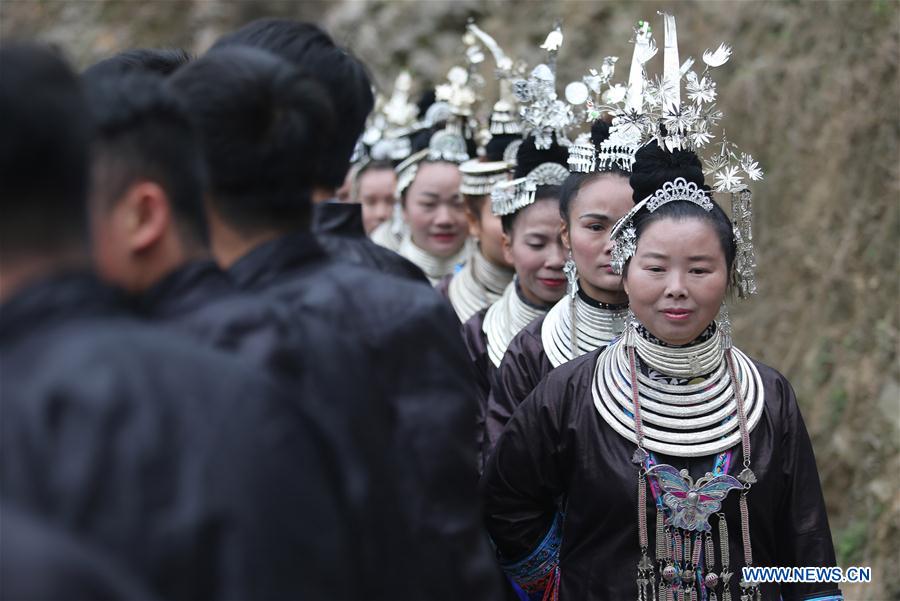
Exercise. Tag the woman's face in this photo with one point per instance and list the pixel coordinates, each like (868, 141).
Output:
(376, 189)
(677, 279)
(435, 211)
(488, 230)
(535, 250)
(593, 212)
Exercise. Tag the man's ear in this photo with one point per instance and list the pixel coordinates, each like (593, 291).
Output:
(148, 215)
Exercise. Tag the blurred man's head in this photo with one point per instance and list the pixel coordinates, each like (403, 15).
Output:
(343, 77)
(261, 125)
(162, 61)
(146, 202)
(43, 162)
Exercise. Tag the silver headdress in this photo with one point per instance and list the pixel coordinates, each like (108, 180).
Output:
(623, 103)
(543, 113)
(458, 92)
(511, 151)
(479, 177)
(509, 197)
(445, 145)
(582, 155)
(658, 114)
(503, 118)
(623, 233)
(387, 135)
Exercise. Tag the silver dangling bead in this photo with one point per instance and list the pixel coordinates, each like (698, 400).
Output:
(629, 334)
(571, 271)
(723, 320)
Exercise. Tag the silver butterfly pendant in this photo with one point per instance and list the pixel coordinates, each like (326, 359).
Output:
(692, 502)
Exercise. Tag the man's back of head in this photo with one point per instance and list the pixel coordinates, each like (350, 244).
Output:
(148, 178)
(43, 156)
(162, 61)
(345, 78)
(261, 125)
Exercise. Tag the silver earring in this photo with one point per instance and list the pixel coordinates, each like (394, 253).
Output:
(723, 322)
(571, 272)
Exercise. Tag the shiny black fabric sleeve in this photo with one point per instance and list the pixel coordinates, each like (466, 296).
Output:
(526, 474)
(804, 535)
(444, 457)
(523, 366)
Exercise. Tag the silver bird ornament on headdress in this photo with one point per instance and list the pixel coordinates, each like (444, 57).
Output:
(543, 113)
(655, 110)
(503, 119)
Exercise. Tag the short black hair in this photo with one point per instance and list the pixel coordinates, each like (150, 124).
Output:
(43, 152)
(261, 125)
(142, 131)
(162, 61)
(343, 76)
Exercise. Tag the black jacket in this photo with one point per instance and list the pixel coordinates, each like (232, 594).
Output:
(338, 227)
(558, 446)
(414, 365)
(180, 461)
(322, 372)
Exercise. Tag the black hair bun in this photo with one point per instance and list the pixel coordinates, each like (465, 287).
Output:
(528, 157)
(654, 166)
(426, 99)
(497, 144)
(599, 132)
(420, 139)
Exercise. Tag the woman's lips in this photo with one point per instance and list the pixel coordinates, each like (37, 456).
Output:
(450, 237)
(552, 282)
(677, 314)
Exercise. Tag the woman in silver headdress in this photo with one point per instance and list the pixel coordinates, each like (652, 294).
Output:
(528, 207)
(487, 273)
(725, 472)
(433, 209)
(593, 198)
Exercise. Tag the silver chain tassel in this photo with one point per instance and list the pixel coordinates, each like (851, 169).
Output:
(726, 557)
(645, 579)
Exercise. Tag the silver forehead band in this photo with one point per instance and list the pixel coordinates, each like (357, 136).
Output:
(509, 197)
(443, 146)
(679, 189)
(623, 233)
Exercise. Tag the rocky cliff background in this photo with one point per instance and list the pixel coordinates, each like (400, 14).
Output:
(812, 92)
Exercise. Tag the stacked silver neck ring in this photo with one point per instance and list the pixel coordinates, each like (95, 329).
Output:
(573, 328)
(506, 318)
(699, 419)
(435, 268)
(478, 285)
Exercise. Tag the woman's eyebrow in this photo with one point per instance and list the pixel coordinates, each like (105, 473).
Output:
(597, 216)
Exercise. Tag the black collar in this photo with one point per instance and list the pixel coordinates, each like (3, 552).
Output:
(270, 260)
(189, 287)
(338, 218)
(68, 295)
(601, 305)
